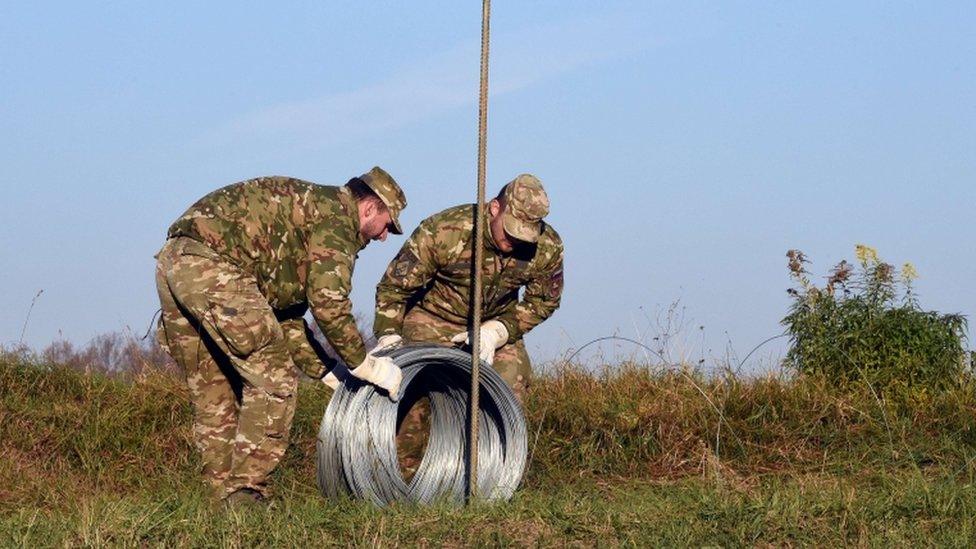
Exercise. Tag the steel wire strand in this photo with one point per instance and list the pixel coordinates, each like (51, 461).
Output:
(357, 439)
(387, 486)
(447, 474)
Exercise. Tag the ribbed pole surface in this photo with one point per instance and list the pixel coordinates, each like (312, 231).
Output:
(479, 236)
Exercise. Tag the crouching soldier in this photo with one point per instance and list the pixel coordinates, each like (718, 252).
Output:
(424, 294)
(236, 275)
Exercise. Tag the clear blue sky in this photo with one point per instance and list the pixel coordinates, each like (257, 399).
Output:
(685, 146)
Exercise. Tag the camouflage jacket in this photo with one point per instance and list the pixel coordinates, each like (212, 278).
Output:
(433, 270)
(300, 240)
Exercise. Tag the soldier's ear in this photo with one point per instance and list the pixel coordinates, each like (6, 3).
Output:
(370, 209)
(494, 207)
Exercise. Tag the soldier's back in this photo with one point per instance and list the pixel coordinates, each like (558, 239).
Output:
(261, 225)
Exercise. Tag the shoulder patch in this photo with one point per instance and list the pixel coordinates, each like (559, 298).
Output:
(556, 284)
(404, 263)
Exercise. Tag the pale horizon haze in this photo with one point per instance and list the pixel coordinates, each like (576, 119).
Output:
(685, 146)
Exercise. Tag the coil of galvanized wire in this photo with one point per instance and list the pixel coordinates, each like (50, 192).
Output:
(357, 453)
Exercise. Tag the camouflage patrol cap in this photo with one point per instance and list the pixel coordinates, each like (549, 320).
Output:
(389, 192)
(526, 204)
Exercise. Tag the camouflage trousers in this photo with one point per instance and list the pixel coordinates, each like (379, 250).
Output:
(221, 331)
(511, 360)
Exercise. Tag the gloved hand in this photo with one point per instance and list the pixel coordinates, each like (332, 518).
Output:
(494, 334)
(382, 372)
(385, 342)
(330, 380)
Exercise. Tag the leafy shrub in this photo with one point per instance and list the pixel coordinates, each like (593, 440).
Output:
(866, 324)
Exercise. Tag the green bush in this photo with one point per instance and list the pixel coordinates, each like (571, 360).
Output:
(866, 324)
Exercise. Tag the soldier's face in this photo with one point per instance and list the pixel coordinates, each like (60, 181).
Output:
(374, 222)
(497, 228)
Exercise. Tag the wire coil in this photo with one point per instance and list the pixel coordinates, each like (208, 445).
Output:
(357, 454)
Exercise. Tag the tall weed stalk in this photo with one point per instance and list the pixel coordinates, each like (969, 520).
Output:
(866, 325)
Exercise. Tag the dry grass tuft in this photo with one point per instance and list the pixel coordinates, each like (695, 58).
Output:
(94, 455)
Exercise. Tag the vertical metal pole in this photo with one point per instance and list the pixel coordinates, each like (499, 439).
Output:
(479, 237)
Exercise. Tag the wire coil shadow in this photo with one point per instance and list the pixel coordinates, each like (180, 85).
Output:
(357, 452)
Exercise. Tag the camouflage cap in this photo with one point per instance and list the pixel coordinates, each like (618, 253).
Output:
(389, 192)
(526, 205)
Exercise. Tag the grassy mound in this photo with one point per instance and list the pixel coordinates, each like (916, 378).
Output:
(627, 455)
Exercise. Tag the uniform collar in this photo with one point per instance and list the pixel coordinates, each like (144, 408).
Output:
(489, 241)
(352, 209)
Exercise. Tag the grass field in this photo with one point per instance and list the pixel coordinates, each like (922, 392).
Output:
(627, 456)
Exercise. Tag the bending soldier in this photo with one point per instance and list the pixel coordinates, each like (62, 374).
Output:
(424, 294)
(236, 275)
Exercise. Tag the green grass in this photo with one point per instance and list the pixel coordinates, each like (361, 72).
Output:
(881, 509)
(622, 457)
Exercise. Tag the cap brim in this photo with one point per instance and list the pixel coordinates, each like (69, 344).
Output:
(394, 221)
(396, 228)
(521, 230)
(394, 217)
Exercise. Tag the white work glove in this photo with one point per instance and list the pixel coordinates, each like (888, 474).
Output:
(494, 334)
(330, 380)
(380, 371)
(385, 342)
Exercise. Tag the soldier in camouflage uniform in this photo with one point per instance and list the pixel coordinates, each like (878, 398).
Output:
(237, 273)
(425, 293)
